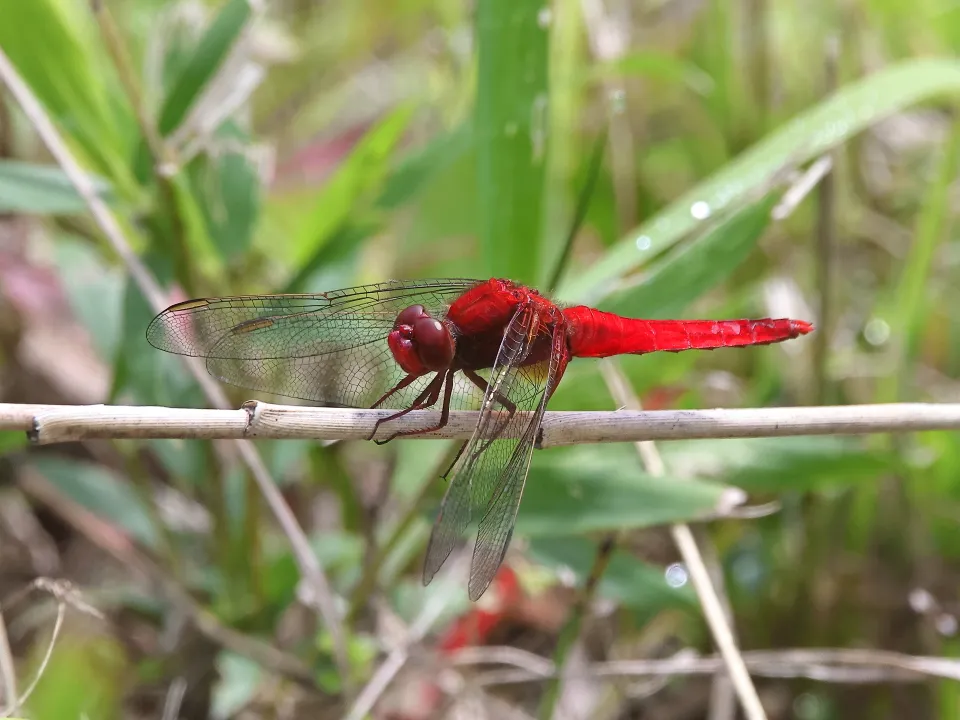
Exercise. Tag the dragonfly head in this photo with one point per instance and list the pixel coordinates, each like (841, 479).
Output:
(420, 343)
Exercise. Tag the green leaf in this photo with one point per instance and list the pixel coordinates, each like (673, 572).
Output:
(790, 464)
(85, 677)
(57, 49)
(807, 136)
(102, 493)
(238, 683)
(41, 190)
(907, 307)
(207, 57)
(11, 440)
(589, 489)
(415, 171)
(631, 582)
(94, 289)
(691, 270)
(360, 176)
(510, 122)
(230, 186)
(657, 65)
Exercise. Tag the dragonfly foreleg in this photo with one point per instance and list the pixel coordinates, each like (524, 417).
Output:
(396, 388)
(428, 398)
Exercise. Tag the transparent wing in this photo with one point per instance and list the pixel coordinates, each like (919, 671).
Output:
(489, 477)
(327, 347)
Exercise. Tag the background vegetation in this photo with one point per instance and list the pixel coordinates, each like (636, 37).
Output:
(306, 146)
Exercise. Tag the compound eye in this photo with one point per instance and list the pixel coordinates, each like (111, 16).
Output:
(410, 315)
(434, 343)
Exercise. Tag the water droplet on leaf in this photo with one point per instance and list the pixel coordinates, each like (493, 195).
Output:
(545, 17)
(876, 332)
(618, 101)
(644, 242)
(676, 575)
(700, 210)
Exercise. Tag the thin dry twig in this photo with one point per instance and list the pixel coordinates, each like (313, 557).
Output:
(48, 424)
(8, 670)
(834, 665)
(65, 594)
(313, 575)
(707, 593)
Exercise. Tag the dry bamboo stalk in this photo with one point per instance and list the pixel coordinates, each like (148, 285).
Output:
(49, 424)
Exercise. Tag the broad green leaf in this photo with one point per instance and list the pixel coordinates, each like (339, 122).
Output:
(101, 492)
(510, 123)
(190, 228)
(628, 580)
(692, 269)
(359, 178)
(94, 290)
(589, 489)
(229, 184)
(808, 135)
(207, 57)
(238, 682)
(41, 190)
(789, 464)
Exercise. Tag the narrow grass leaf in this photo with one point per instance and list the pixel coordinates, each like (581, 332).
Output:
(690, 270)
(207, 57)
(510, 121)
(906, 307)
(807, 136)
(358, 179)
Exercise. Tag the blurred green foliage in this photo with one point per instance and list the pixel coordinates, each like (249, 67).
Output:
(319, 145)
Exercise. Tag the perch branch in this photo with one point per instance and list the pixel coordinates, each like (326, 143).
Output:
(47, 424)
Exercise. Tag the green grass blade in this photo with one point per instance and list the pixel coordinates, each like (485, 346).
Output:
(690, 270)
(511, 124)
(826, 125)
(906, 308)
(359, 178)
(210, 52)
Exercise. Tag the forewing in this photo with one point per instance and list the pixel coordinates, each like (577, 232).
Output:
(489, 477)
(326, 347)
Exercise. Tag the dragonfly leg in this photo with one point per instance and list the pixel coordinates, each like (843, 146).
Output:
(463, 447)
(399, 386)
(505, 402)
(427, 398)
(444, 410)
(482, 384)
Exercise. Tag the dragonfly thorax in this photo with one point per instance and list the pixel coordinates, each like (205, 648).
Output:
(420, 343)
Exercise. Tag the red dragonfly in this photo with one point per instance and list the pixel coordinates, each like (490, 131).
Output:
(490, 345)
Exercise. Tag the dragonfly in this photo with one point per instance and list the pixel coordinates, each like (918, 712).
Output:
(494, 346)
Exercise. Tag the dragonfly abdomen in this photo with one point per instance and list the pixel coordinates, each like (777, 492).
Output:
(594, 333)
